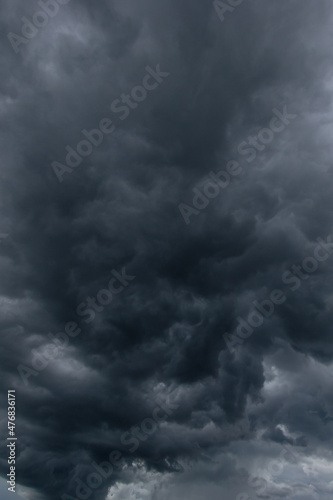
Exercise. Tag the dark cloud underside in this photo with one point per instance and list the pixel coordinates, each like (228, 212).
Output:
(162, 337)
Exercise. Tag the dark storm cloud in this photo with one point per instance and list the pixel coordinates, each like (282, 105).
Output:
(161, 340)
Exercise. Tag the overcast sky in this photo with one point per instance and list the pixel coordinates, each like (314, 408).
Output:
(166, 206)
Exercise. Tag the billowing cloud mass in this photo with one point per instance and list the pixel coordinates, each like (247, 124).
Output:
(166, 248)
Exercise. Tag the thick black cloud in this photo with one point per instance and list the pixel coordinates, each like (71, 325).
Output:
(162, 338)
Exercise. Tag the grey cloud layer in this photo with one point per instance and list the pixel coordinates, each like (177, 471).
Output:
(162, 337)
